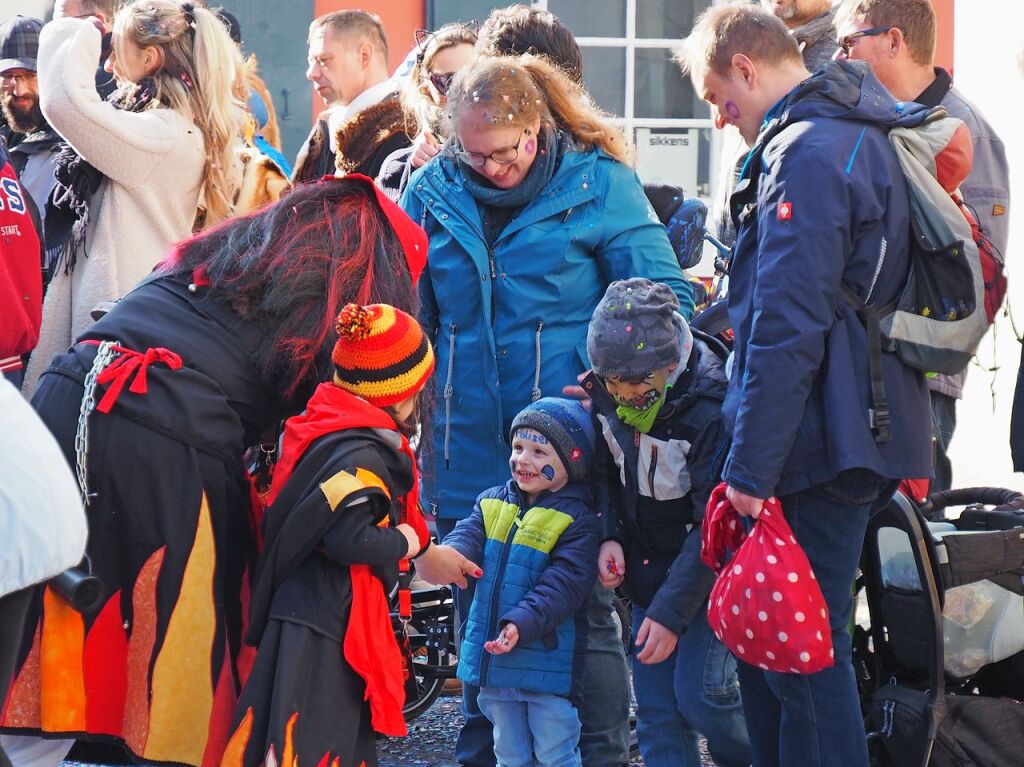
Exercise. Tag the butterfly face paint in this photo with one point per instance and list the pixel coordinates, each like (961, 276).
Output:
(535, 465)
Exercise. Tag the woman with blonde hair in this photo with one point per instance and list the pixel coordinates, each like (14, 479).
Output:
(532, 211)
(440, 55)
(134, 168)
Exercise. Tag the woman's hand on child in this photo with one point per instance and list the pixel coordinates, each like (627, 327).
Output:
(412, 539)
(658, 642)
(443, 564)
(611, 564)
(506, 640)
(578, 392)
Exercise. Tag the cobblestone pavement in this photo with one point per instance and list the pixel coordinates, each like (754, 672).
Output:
(430, 743)
(431, 740)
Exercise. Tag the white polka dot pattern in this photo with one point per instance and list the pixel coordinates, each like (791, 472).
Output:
(766, 605)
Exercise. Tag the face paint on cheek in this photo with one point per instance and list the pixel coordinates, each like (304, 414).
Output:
(512, 465)
(642, 402)
(548, 472)
(732, 110)
(530, 147)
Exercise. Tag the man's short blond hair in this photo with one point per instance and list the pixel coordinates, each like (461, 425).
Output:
(353, 24)
(723, 31)
(915, 18)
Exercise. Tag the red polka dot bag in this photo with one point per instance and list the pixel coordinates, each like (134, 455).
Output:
(766, 605)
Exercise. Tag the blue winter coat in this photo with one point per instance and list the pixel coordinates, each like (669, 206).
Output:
(799, 397)
(540, 564)
(509, 323)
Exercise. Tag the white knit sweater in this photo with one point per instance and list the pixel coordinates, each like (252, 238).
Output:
(153, 164)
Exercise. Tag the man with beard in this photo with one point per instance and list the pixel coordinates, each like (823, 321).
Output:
(34, 145)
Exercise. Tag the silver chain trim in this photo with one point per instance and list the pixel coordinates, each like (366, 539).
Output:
(104, 356)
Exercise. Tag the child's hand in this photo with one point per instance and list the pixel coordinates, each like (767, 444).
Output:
(611, 565)
(507, 639)
(411, 538)
(658, 642)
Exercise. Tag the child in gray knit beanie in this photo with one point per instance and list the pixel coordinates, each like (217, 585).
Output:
(657, 393)
(636, 341)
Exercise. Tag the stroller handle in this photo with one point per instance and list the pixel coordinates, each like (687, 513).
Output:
(986, 496)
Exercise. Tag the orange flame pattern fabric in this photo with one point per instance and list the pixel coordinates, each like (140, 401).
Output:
(95, 678)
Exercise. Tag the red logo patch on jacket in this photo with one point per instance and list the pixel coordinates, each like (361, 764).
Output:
(785, 211)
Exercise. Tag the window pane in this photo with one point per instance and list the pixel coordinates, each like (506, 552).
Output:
(667, 18)
(604, 74)
(592, 18)
(680, 156)
(661, 89)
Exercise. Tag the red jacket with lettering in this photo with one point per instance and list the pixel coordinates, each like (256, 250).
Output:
(21, 280)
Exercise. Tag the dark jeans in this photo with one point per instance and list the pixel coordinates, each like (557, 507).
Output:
(814, 720)
(693, 692)
(943, 426)
(604, 716)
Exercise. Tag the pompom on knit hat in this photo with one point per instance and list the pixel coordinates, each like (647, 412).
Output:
(567, 426)
(382, 354)
(637, 328)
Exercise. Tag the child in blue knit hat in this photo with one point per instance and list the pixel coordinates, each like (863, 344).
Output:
(536, 538)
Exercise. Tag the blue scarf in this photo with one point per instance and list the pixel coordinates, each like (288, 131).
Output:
(499, 206)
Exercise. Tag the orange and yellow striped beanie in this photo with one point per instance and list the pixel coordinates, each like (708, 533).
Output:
(382, 354)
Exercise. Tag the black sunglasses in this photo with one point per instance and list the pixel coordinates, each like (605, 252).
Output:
(846, 42)
(442, 81)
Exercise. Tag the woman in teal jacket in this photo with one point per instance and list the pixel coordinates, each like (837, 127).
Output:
(531, 213)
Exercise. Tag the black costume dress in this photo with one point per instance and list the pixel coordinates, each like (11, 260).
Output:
(157, 667)
(328, 672)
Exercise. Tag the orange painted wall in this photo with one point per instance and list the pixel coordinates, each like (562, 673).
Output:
(401, 20)
(944, 33)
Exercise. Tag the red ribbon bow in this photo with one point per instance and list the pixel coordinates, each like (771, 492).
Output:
(132, 364)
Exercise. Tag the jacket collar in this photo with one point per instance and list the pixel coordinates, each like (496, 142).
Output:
(933, 95)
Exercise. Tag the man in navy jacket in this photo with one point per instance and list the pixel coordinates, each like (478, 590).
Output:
(821, 203)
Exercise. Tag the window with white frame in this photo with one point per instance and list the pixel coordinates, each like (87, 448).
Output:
(628, 69)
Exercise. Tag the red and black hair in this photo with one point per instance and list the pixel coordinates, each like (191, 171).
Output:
(291, 267)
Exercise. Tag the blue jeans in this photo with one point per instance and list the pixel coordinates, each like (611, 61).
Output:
(531, 729)
(814, 720)
(691, 692)
(604, 741)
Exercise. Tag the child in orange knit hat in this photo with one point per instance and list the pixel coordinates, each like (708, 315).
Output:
(342, 514)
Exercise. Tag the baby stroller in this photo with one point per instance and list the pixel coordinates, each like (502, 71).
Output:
(941, 666)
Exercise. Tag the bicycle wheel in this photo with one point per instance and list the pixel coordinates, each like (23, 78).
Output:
(428, 687)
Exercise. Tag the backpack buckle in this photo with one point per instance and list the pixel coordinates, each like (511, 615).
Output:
(880, 420)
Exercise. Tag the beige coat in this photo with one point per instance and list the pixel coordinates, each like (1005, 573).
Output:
(153, 164)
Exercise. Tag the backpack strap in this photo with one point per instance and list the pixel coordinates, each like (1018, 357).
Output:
(879, 415)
